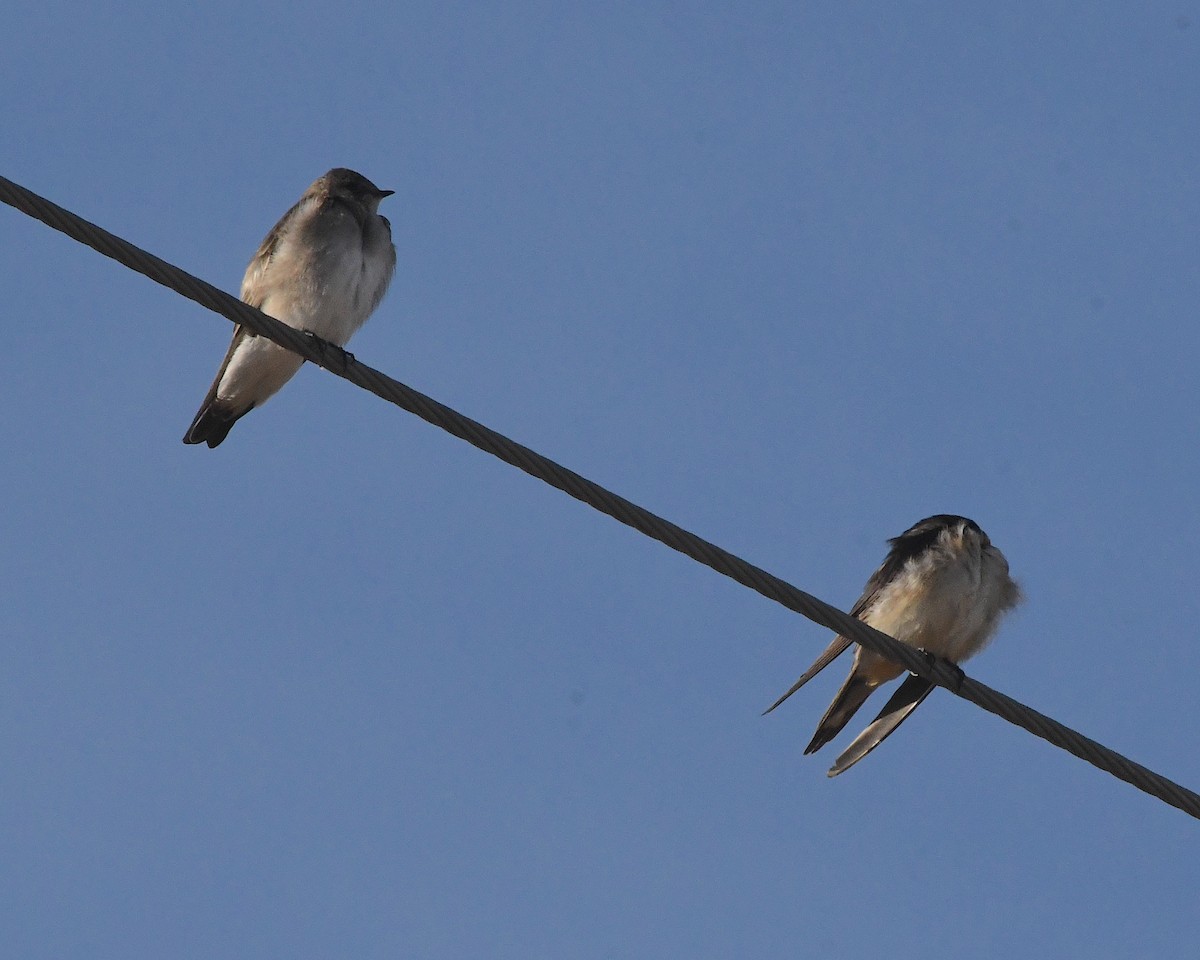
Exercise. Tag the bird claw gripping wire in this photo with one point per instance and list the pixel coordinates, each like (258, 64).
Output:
(333, 357)
(953, 668)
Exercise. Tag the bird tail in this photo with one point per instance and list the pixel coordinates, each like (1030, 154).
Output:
(213, 422)
(905, 700)
(853, 694)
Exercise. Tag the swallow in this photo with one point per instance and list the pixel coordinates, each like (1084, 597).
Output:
(943, 588)
(323, 269)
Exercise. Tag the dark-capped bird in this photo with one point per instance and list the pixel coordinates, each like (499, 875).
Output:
(942, 588)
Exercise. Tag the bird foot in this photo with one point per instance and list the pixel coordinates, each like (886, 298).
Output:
(332, 356)
(959, 675)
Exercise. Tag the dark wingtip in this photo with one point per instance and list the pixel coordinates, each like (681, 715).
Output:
(845, 704)
(818, 741)
(212, 425)
(830, 653)
(825, 732)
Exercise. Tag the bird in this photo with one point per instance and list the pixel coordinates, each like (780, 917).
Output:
(943, 588)
(323, 269)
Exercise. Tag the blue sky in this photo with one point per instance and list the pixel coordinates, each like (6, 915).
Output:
(793, 276)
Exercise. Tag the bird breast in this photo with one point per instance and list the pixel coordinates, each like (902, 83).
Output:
(945, 602)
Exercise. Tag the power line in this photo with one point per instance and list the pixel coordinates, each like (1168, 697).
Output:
(344, 365)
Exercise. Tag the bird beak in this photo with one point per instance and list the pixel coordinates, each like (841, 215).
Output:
(385, 193)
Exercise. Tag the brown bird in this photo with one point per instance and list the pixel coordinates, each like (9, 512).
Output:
(322, 269)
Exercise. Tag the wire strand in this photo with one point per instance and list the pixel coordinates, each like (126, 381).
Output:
(344, 365)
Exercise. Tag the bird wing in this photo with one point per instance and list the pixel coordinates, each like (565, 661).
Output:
(887, 571)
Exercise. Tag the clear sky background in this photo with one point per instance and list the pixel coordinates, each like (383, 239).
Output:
(792, 275)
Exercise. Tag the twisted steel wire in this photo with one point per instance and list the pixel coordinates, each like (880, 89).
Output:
(344, 365)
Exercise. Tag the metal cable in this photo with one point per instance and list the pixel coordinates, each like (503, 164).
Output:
(344, 365)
